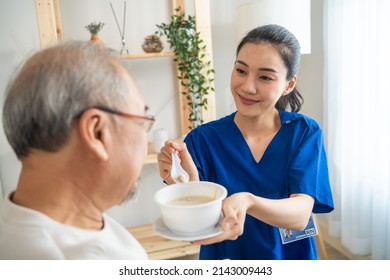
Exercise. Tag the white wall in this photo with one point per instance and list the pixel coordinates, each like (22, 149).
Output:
(155, 78)
(19, 38)
(310, 80)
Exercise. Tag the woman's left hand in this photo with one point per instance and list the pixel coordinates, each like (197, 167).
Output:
(234, 210)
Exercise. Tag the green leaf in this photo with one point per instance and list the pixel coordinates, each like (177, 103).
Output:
(189, 49)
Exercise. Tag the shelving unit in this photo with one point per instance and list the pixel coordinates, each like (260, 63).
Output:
(51, 32)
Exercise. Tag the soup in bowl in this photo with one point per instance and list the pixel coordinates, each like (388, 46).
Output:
(191, 208)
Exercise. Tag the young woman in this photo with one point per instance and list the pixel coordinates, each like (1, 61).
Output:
(270, 158)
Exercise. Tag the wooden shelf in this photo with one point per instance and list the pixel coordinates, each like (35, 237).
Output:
(148, 55)
(151, 157)
(159, 248)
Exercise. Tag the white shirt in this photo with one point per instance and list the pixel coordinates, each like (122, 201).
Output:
(29, 234)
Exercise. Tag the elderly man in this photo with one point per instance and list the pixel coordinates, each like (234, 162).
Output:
(77, 123)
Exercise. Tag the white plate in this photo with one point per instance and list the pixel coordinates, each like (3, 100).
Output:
(164, 231)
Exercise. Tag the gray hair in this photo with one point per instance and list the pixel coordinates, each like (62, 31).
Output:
(53, 88)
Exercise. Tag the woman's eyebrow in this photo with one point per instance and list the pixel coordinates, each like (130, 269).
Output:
(259, 69)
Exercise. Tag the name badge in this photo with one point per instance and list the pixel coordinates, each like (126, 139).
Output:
(289, 235)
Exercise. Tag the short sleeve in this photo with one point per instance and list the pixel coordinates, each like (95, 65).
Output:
(308, 171)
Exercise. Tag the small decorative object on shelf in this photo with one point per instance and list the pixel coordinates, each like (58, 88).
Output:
(152, 44)
(94, 29)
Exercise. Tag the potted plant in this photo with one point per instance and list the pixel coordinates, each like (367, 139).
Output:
(94, 29)
(195, 73)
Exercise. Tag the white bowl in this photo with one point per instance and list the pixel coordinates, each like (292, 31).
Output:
(189, 220)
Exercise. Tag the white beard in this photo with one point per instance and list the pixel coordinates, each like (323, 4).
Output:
(133, 194)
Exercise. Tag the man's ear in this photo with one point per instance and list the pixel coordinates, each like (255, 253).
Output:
(94, 132)
(290, 85)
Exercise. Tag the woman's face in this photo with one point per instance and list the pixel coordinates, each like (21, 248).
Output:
(258, 79)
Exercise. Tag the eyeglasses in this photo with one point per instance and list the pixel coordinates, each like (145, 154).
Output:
(148, 123)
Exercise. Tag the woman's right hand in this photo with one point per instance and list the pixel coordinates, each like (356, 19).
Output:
(164, 158)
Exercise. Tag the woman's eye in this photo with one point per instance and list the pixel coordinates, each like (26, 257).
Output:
(265, 78)
(240, 71)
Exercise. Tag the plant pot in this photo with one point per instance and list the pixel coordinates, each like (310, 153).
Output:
(96, 39)
(152, 44)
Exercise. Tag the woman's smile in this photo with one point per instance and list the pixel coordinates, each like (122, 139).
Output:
(247, 101)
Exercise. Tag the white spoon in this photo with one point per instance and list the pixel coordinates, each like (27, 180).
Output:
(178, 174)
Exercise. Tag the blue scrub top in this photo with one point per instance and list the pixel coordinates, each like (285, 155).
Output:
(294, 162)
